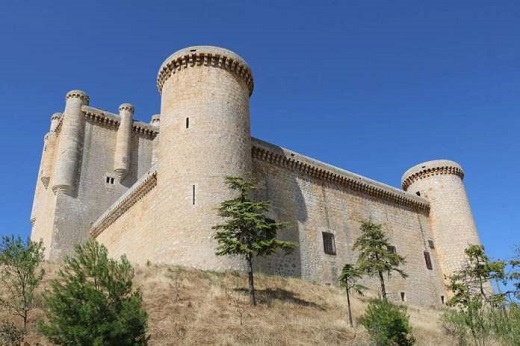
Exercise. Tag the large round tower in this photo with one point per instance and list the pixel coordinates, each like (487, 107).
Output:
(452, 223)
(205, 136)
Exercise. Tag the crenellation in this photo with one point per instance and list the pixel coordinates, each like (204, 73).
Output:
(151, 190)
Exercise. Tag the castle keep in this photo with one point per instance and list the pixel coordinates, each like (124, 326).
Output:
(150, 190)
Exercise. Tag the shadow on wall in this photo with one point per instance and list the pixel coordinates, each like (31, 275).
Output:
(280, 187)
(133, 169)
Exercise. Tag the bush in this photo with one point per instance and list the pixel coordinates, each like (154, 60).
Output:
(10, 335)
(92, 302)
(387, 324)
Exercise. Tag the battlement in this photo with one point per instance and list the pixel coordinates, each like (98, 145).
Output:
(78, 94)
(207, 56)
(126, 107)
(285, 158)
(430, 168)
(111, 120)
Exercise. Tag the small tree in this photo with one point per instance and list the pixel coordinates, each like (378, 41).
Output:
(348, 278)
(92, 301)
(247, 232)
(375, 254)
(387, 324)
(20, 275)
(477, 311)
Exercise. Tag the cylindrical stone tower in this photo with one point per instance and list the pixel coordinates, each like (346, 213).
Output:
(70, 144)
(452, 223)
(205, 136)
(123, 141)
(49, 149)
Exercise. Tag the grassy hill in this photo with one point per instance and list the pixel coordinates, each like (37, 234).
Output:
(194, 307)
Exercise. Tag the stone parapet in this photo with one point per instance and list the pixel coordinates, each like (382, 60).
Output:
(111, 120)
(285, 158)
(125, 202)
(207, 56)
(430, 168)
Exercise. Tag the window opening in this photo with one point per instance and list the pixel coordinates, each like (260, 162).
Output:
(403, 296)
(430, 244)
(110, 180)
(391, 249)
(193, 195)
(329, 245)
(428, 260)
(187, 123)
(442, 300)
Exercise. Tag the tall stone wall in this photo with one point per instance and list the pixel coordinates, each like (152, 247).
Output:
(312, 204)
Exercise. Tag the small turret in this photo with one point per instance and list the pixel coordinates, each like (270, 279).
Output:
(70, 143)
(124, 141)
(49, 147)
(452, 223)
(156, 121)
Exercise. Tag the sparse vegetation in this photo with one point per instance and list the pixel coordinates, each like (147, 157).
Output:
(92, 302)
(376, 257)
(348, 278)
(479, 316)
(387, 324)
(247, 232)
(20, 275)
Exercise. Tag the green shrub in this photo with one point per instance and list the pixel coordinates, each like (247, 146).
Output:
(387, 324)
(92, 302)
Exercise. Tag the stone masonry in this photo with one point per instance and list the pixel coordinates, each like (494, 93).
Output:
(150, 191)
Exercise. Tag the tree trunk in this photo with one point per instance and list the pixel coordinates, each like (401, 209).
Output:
(349, 309)
(382, 280)
(251, 281)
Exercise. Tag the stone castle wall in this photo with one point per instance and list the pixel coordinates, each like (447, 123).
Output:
(62, 219)
(155, 197)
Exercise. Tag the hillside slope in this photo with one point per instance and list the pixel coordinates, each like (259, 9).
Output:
(193, 307)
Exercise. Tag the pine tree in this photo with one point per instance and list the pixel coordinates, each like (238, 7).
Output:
(20, 275)
(92, 301)
(247, 232)
(375, 255)
(348, 278)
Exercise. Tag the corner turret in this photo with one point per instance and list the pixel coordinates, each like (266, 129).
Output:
(70, 144)
(452, 223)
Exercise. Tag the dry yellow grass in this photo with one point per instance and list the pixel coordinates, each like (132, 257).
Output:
(193, 307)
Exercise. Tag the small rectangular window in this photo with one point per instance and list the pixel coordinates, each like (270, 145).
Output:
(329, 245)
(442, 300)
(187, 123)
(110, 180)
(428, 260)
(403, 296)
(430, 244)
(391, 249)
(193, 195)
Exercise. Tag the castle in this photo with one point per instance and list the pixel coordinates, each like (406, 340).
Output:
(150, 190)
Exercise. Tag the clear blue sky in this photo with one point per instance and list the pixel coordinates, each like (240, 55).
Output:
(374, 87)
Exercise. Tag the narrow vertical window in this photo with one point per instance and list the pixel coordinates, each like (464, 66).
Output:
(403, 296)
(428, 260)
(193, 195)
(187, 123)
(442, 300)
